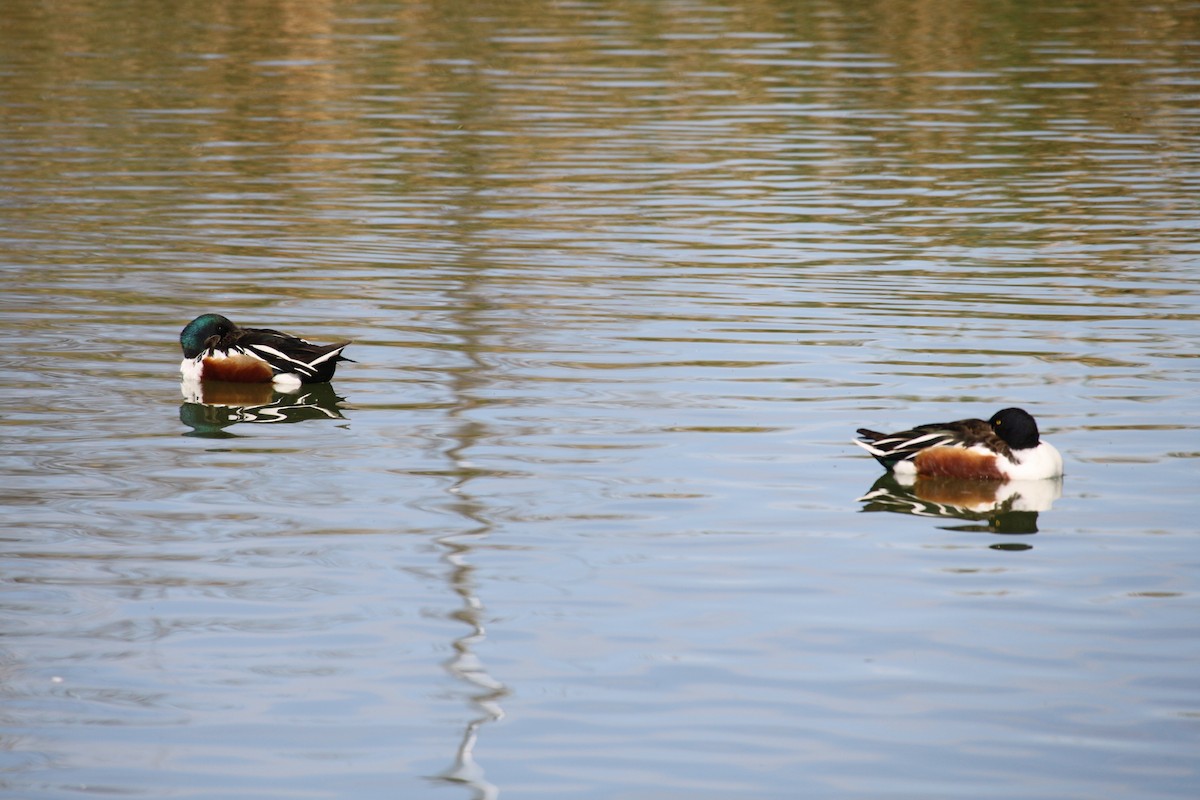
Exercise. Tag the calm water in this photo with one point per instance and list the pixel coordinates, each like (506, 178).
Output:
(584, 519)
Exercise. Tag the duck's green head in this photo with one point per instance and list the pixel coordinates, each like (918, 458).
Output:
(195, 336)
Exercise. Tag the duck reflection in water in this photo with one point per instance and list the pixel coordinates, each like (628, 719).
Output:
(1009, 507)
(210, 407)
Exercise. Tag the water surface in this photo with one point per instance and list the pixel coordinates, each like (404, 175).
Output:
(584, 520)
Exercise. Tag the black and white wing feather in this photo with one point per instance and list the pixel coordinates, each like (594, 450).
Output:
(889, 448)
(309, 362)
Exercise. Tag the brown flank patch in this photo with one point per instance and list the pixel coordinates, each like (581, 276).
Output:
(236, 369)
(955, 462)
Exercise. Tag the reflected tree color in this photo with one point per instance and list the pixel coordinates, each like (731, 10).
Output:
(343, 113)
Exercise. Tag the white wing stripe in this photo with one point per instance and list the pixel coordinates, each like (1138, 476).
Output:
(929, 437)
(244, 352)
(875, 451)
(330, 354)
(271, 351)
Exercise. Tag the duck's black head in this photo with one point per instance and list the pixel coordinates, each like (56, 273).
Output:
(195, 336)
(1016, 427)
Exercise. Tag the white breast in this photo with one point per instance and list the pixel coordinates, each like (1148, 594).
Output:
(1035, 464)
(191, 367)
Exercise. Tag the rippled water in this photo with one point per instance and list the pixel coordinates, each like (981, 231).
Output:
(584, 518)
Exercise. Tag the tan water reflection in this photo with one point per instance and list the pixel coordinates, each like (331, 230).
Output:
(985, 125)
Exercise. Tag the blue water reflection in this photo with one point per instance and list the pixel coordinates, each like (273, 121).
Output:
(583, 520)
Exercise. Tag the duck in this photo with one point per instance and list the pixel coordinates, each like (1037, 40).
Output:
(1006, 447)
(214, 348)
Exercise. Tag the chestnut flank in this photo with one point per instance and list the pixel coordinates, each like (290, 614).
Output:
(237, 369)
(956, 462)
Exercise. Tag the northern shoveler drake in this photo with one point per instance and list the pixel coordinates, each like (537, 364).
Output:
(1005, 447)
(216, 349)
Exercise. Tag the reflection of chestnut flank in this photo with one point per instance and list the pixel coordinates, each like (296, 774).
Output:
(962, 493)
